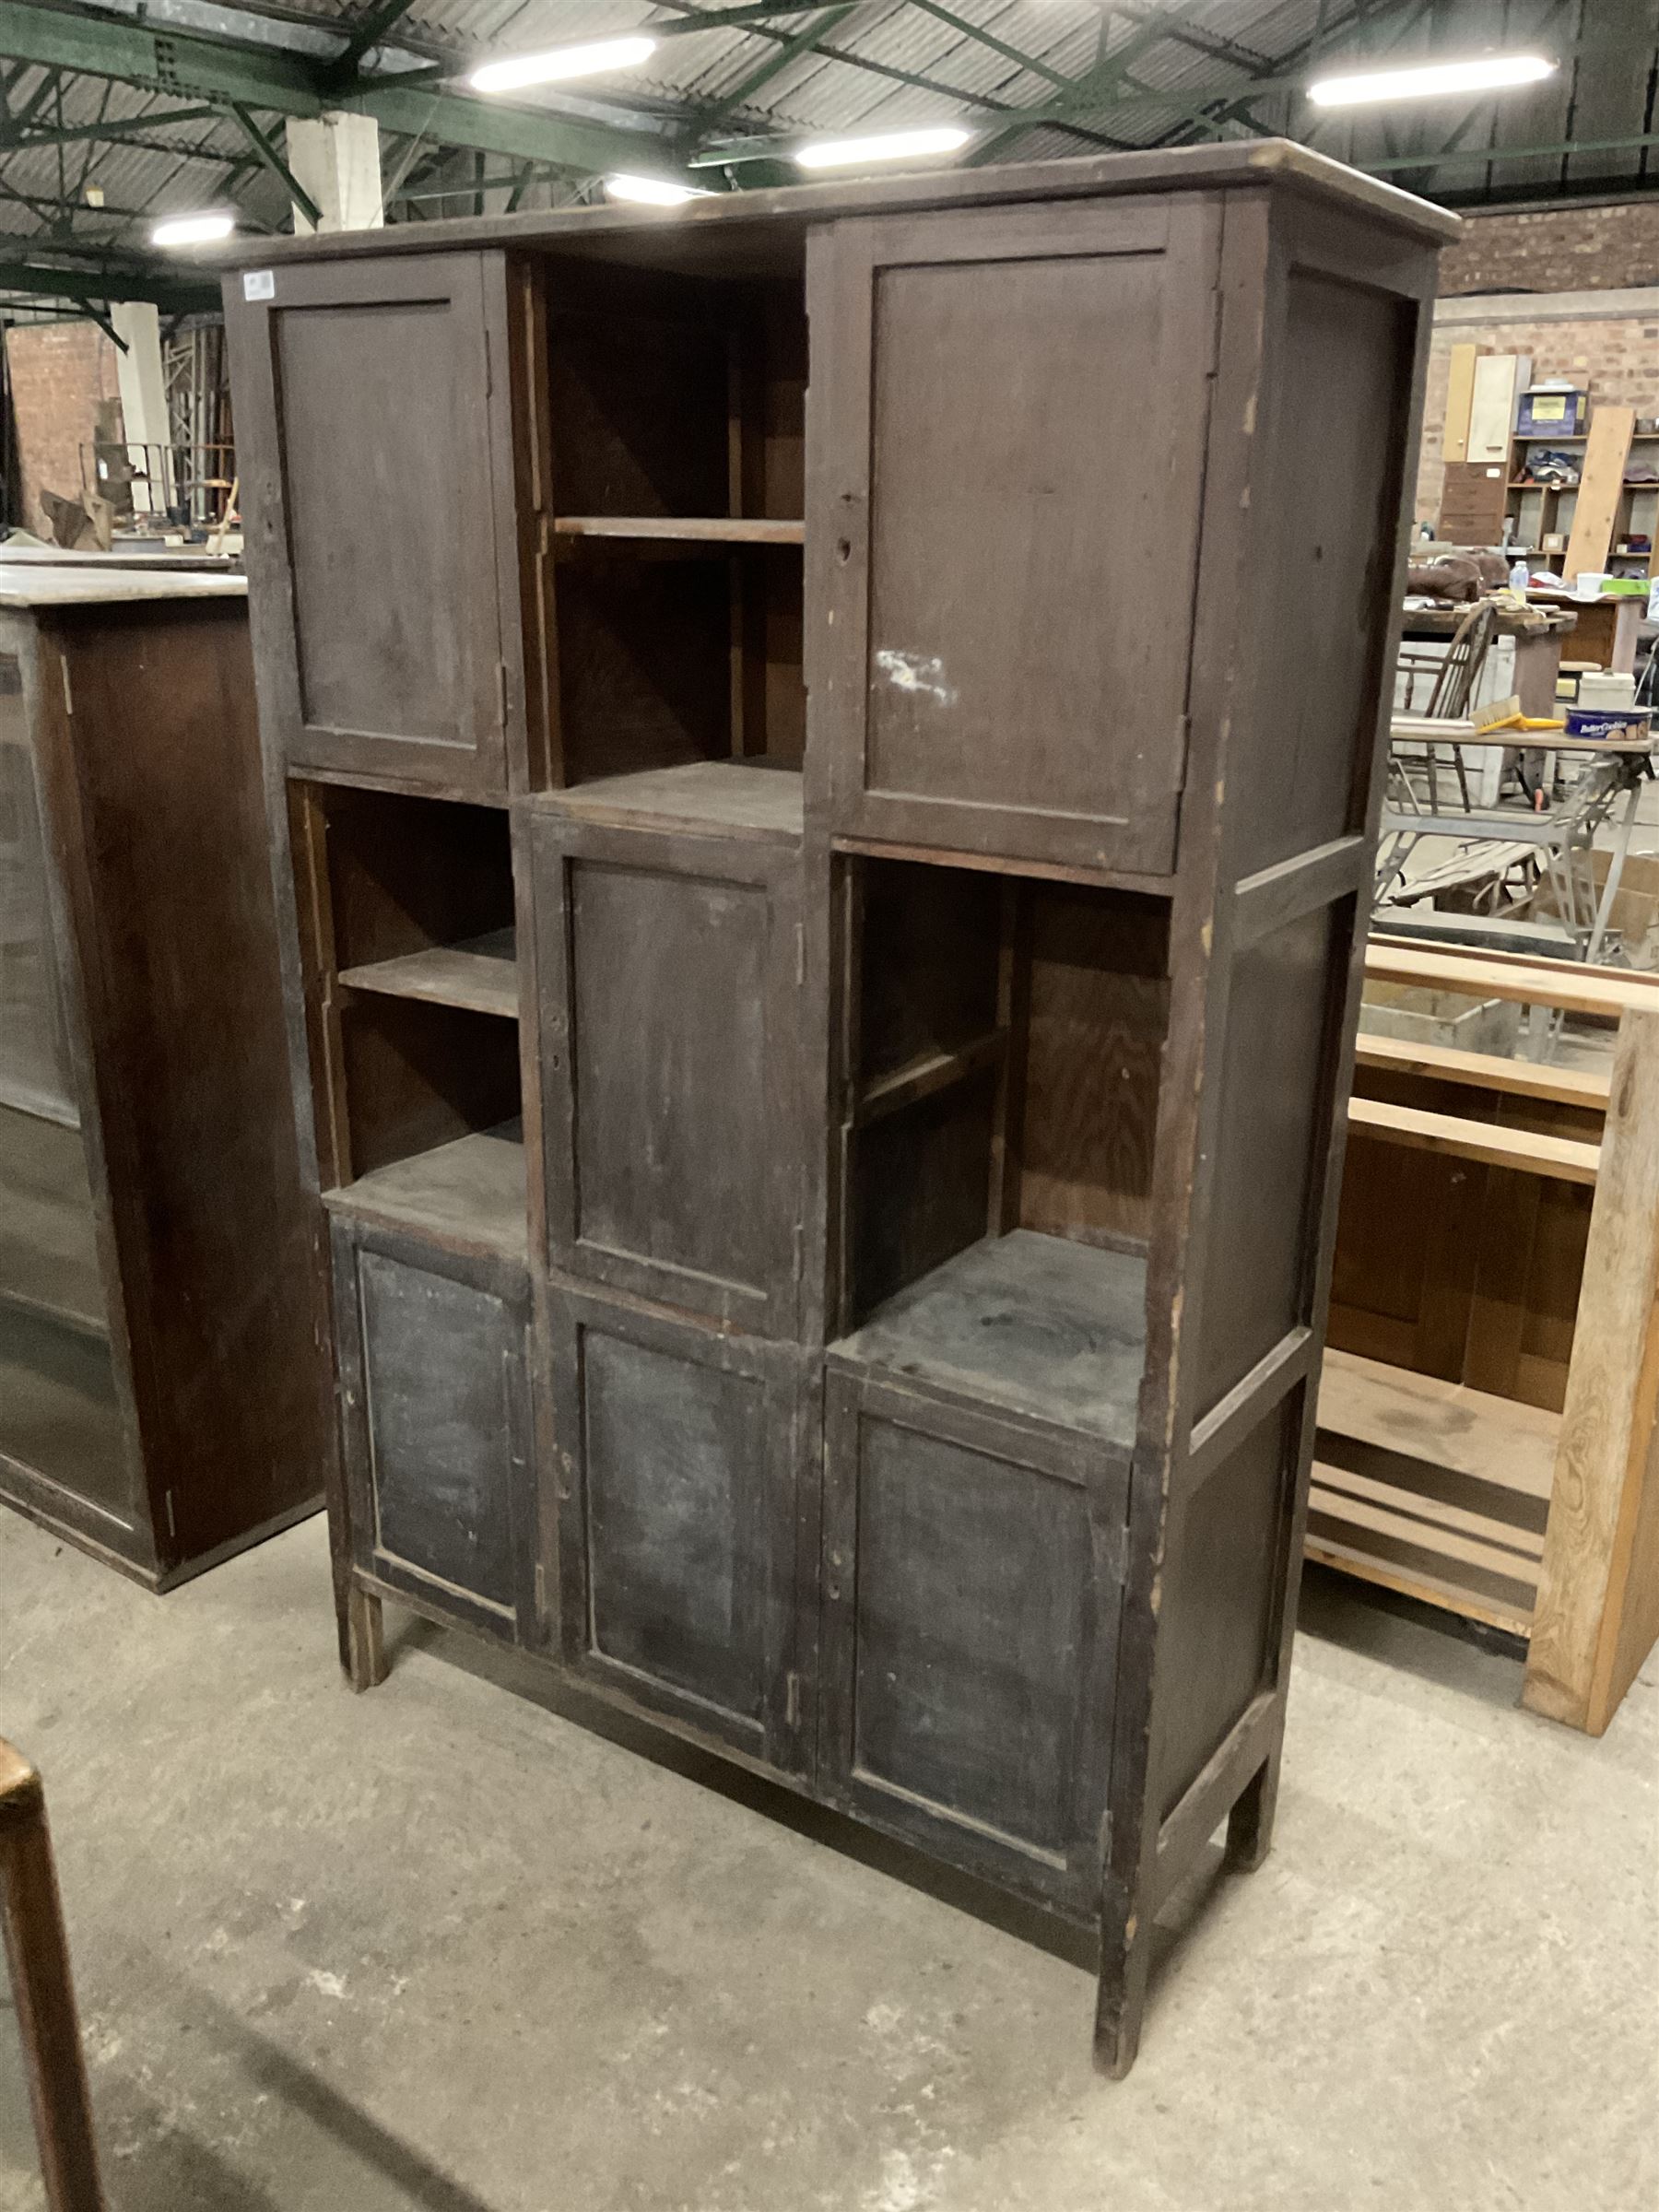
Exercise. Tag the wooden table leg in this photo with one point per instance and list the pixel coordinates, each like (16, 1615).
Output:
(37, 1954)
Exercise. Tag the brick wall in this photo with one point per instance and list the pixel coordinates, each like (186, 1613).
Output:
(59, 372)
(1563, 250)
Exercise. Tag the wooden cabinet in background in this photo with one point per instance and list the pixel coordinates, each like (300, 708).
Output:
(888, 1031)
(159, 1401)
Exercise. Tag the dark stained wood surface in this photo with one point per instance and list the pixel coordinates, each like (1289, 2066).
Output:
(469, 1192)
(1034, 1324)
(366, 415)
(738, 230)
(964, 701)
(479, 972)
(436, 1420)
(685, 1578)
(149, 721)
(1009, 1064)
(672, 1170)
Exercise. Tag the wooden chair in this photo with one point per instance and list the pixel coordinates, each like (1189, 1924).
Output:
(1488, 1413)
(1451, 678)
(37, 1954)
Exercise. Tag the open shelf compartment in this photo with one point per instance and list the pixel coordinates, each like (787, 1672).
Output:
(676, 433)
(413, 994)
(1000, 1042)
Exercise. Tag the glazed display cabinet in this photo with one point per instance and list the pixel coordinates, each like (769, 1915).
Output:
(827, 775)
(159, 1400)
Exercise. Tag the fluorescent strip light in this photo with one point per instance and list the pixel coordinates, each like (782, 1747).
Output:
(891, 146)
(1489, 76)
(192, 230)
(651, 192)
(561, 62)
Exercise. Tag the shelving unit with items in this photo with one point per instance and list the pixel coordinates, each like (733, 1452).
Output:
(935, 907)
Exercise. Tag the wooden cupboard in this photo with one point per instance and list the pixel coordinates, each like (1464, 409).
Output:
(830, 1123)
(159, 1398)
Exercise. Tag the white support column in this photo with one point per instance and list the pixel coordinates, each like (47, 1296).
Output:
(143, 390)
(337, 160)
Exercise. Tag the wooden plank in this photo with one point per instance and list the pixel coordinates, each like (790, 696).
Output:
(1522, 1545)
(1506, 975)
(1427, 1589)
(466, 1195)
(482, 973)
(1601, 488)
(37, 1953)
(1489, 1141)
(933, 1071)
(1582, 1656)
(1460, 1551)
(711, 529)
(1460, 396)
(1491, 1438)
(1497, 383)
(1485, 1071)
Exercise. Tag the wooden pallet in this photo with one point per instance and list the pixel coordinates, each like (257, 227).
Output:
(1512, 1485)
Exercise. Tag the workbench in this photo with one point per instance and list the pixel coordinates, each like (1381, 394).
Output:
(1538, 632)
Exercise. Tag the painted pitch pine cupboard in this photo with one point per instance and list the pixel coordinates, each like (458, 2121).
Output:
(825, 749)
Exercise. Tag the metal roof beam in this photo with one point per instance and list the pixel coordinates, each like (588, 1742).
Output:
(792, 50)
(82, 286)
(127, 127)
(286, 83)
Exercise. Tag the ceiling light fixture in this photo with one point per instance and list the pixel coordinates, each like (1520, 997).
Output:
(651, 192)
(1491, 74)
(522, 70)
(192, 230)
(891, 146)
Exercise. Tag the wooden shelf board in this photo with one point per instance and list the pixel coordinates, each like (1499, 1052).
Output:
(1496, 1441)
(469, 1192)
(737, 797)
(1564, 1159)
(482, 973)
(1573, 987)
(1429, 1589)
(1485, 1071)
(714, 529)
(1035, 1325)
(929, 1072)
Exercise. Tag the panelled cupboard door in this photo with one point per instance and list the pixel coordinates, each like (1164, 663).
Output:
(972, 1579)
(365, 402)
(686, 1462)
(437, 1427)
(670, 972)
(1009, 414)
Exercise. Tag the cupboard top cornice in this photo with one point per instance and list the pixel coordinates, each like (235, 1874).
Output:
(716, 226)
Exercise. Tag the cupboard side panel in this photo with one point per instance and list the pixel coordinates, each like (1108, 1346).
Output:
(213, 1221)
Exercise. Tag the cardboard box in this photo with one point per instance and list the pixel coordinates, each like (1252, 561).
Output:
(1552, 411)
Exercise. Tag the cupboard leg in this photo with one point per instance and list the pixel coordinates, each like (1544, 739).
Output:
(1250, 1824)
(1126, 1953)
(367, 1664)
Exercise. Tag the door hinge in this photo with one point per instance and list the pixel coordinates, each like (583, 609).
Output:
(541, 1591)
(501, 693)
(68, 696)
(1184, 738)
(172, 1525)
(792, 1710)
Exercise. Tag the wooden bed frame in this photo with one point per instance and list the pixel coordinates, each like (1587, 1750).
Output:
(1486, 1436)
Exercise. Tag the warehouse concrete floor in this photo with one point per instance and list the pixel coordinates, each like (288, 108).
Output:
(457, 1949)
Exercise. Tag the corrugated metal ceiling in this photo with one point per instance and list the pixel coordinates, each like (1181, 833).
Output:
(884, 62)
